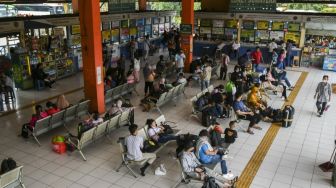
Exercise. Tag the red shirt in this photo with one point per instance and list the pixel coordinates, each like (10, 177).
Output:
(52, 111)
(256, 56)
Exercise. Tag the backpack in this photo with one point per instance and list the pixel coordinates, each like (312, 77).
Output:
(182, 140)
(25, 130)
(210, 182)
(287, 116)
(200, 103)
(230, 87)
(7, 165)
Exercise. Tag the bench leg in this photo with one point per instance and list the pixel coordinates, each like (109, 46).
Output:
(130, 169)
(81, 153)
(37, 140)
(121, 165)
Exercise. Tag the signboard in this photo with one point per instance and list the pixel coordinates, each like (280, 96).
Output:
(306, 1)
(262, 35)
(206, 23)
(106, 26)
(263, 25)
(186, 29)
(217, 31)
(293, 27)
(124, 23)
(231, 23)
(248, 24)
(253, 5)
(64, 21)
(277, 26)
(10, 27)
(121, 6)
(218, 23)
(75, 29)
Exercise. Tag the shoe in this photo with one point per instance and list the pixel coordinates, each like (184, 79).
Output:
(319, 115)
(142, 171)
(326, 109)
(229, 176)
(250, 132)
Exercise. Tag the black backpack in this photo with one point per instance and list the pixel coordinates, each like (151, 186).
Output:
(183, 139)
(287, 116)
(7, 165)
(210, 182)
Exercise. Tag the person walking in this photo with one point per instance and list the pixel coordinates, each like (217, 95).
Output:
(149, 76)
(257, 58)
(136, 69)
(272, 46)
(146, 48)
(224, 66)
(322, 95)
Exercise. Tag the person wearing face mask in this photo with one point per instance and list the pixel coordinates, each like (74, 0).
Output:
(322, 95)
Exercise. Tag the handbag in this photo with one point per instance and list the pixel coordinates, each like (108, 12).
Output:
(150, 146)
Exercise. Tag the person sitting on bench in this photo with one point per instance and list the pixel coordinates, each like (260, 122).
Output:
(207, 154)
(134, 144)
(51, 108)
(193, 168)
(244, 112)
(158, 133)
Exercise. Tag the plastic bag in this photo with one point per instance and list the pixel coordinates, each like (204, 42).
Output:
(161, 170)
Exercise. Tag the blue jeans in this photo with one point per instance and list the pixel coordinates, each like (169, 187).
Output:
(166, 138)
(283, 76)
(255, 67)
(218, 158)
(205, 84)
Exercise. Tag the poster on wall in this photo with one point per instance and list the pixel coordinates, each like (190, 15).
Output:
(106, 26)
(263, 25)
(205, 30)
(218, 23)
(206, 23)
(294, 36)
(262, 35)
(277, 26)
(231, 23)
(75, 29)
(115, 24)
(106, 36)
(277, 35)
(293, 27)
(329, 63)
(115, 33)
(248, 24)
(247, 35)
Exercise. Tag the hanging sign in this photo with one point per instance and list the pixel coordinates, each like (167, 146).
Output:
(253, 5)
(263, 25)
(277, 26)
(186, 29)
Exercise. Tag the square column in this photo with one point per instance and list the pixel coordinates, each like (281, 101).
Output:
(90, 23)
(187, 40)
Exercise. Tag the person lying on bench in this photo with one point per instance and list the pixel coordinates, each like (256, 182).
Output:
(158, 133)
(244, 112)
(134, 144)
(192, 167)
(207, 154)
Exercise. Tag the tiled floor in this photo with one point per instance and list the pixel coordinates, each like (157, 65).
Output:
(291, 162)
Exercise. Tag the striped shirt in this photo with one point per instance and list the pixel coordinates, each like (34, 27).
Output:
(134, 145)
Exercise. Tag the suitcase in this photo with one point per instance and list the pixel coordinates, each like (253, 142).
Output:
(287, 116)
(207, 119)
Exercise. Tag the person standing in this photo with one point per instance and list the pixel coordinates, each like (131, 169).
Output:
(289, 49)
(180, 58)
(224, 66)
(272, 46)
(121, 68)
(235, 48)
(322, 95)
(256, 58)
(136, 69)
(149, 76)
(206, 76)
(134, 144)
(146, 48)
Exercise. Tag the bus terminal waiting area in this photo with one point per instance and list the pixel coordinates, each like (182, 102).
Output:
(251, 153)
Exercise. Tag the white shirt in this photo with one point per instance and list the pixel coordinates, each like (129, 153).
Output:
(153, 131)
(98, 121)
(136, 64)
(134, 145)
(272, 46)
(235, 46)
(179, 58)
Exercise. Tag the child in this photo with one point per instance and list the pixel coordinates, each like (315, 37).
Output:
(230, 134)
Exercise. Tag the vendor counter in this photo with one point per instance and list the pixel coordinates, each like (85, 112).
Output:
(202, 47)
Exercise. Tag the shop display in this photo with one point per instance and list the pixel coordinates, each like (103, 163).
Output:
(293, 36)
(230, 34)
(247, 35)
(262, 36)
(329, 63)
(277, 35)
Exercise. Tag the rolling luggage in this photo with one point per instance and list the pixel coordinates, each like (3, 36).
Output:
(207, 119)
(287, 116)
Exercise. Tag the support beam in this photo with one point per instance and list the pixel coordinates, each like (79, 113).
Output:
(142, 5)
(187, 40)
(89, 16)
